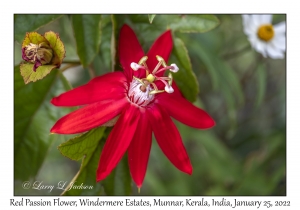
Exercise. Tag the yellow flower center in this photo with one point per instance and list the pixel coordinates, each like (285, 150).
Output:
(266, 32)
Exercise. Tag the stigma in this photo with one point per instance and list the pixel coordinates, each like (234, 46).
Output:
(147, 84)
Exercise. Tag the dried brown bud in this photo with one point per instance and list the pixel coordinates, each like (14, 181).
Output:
(39, 54)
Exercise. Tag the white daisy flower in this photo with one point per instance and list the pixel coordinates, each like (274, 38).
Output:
(265, 38)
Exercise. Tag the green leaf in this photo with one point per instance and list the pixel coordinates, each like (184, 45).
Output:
(33, 118)
(119, 180)
(87, 148)
(34, 38)
(206, 56)
(194, 23)
(87, 31)
(104, 60)
(220, 162)
(185, 77)
(29, 23)
(230, 76)
(58, 47)
(32, 76)
(261, 78)
(151, 17)
(223, 77)
(83, 145)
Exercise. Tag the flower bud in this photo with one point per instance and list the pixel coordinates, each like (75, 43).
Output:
(39, 54)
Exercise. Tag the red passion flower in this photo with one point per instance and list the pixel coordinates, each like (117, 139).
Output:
(144, 99)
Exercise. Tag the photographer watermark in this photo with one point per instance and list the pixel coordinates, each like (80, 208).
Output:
(61, 185)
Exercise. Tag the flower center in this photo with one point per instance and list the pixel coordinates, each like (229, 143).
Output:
(265, 32)
(137, 95)
(151, 78)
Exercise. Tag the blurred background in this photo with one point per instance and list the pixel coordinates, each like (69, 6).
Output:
(245, 93)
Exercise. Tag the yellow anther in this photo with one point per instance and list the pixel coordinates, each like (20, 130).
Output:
(150, 78)
(143, 60)
(171, 79)
(155, 91)
(161, 60)
(139, 80)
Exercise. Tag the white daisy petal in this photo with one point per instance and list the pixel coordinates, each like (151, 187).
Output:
(279, 41)
(273, 46)
(273, 52)
(249, 26)
(266, 19)
(261, 48)
(256, 20)
(252, 39)
(245, 19)
(279, 28)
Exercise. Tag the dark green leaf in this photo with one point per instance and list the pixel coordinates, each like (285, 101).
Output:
(86, 146)
(103, 60)
(29, 23)
(261, 79)
(83, 145)
(194, 23)
(185, 77)
(33, 118)
(151, 17)
(87, 31)
(119, 180)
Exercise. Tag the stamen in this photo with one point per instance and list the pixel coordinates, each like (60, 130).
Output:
(160, 59)
(157, 67)
(168, 88)
(175, 68)
(143, 60)
(154, 86)
(166, 68)
(136, 66)
(171, 79)
(155, 92)
(145, 83)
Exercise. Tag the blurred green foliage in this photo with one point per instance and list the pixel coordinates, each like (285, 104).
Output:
(244, 154)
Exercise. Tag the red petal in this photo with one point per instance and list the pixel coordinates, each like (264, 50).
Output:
(108, 86)
(139, 150)
(118, 141)
(168, 138)
(89, 117)
(162, 47)
(130, 50)
(185, 112)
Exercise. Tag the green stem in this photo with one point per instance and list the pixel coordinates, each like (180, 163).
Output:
(69, 65)
(92, 71)
(74, 62)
